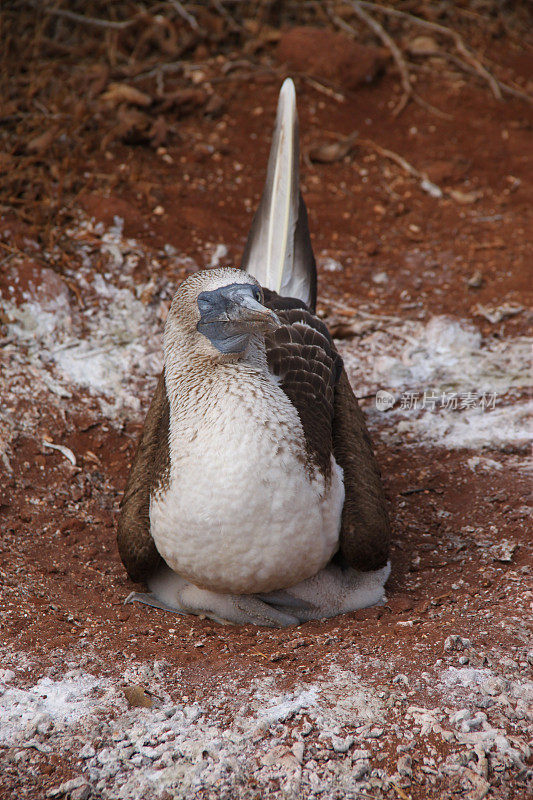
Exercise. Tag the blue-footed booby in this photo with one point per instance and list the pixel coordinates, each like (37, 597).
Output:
(254, 495)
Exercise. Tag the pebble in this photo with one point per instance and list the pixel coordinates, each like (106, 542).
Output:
(466, 721)
(404, 766)
(360, 769)
(493, 686)
(460, 716)
(81, 792)
(105, 756)
(67, 787)
(475, 280)
(455, 642)
(401, 679)
(360, 755)
(340, 744)
(298, 750)
(166, 760)
(87, 751)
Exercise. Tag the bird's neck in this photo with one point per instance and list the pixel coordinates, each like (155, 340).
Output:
(191, 374)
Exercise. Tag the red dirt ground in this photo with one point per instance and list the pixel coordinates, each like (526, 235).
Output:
(62, 577)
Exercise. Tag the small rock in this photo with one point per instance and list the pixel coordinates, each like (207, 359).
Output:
(360, 769)
(380, 277)
(475, 723)
(455, 642)
(374, 733)
(422, 46)
(118, 93)
(81, 792)
(479, 784)
(105, 756)
(476, 280)
(298, 749)
(493, 686)
(460, 716)
(401, 679)
(137, 697)
(165, 761)
(330, 265)
(87, 751)
(404, 766)
(140, 761)
(340, 744)
(496, 315)
(39, 724)
(485, 702)
(274, 755)
(215, 106)
(503, 551)
(404, 748)
(67, 787)
(465, 198)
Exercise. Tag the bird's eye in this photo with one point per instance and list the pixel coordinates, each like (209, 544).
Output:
(257, 295)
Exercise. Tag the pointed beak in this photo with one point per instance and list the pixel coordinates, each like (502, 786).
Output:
(246, 309)
(236, 305)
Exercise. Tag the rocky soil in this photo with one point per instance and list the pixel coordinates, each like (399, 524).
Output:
(423, 279)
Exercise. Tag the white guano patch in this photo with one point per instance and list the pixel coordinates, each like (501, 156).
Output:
(444, 356)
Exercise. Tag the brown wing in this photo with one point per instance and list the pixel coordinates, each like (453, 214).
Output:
(365, 528)
(300, 353)
(149, 469)
(312, 375)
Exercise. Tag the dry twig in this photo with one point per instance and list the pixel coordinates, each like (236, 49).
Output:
(93, 21)
(438, 28)
(467, 59)
(496, 86)
(185, 15)
(425, 183)
(235, 26)
(399, 60)
(322, 87)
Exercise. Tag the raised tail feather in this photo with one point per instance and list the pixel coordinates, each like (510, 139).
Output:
(278, 251)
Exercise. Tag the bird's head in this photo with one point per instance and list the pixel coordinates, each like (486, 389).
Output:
(217, 313)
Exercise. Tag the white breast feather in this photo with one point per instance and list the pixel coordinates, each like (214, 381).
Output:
(242, 513)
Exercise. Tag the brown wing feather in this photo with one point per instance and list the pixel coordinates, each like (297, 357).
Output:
(365, 529)
(303, 355)
(300, 353)
(149, 469)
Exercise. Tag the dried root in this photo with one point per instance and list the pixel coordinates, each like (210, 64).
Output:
(466, 58)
